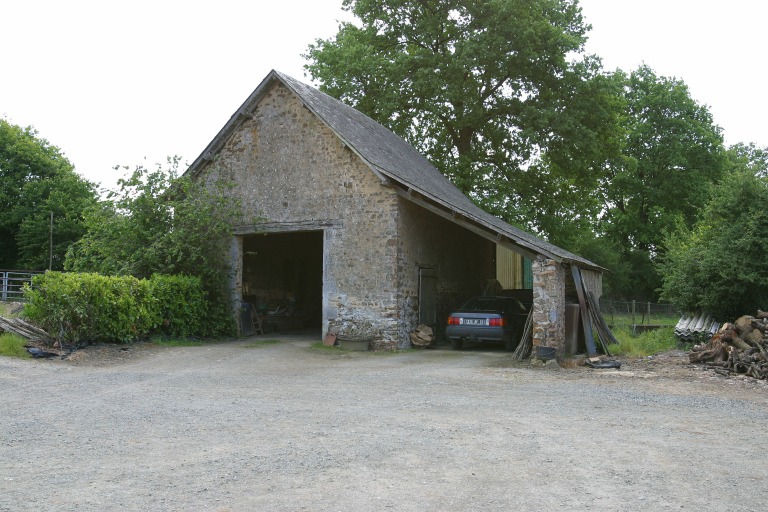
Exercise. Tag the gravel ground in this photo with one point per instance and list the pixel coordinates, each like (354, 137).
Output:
(244, 426)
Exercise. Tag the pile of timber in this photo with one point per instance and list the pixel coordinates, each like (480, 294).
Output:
(604, 335)
(525, 346)
(737, 348)
(24, 329)
(422, 336)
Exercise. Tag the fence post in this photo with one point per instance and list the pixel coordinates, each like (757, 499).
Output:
(649, 313)
(633, 312)
(5, 286)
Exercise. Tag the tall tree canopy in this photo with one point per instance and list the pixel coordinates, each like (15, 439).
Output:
(35, 181)
(500, 96)
(671, 156)
(719, 266)
(486, 89)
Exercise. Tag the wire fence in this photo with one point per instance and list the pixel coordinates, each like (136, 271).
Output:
(634, 313)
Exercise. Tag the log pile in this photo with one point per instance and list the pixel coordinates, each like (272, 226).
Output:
(422, 336)
(24, 329)
(737, 348)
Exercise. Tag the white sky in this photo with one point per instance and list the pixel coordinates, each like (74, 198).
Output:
(123, 83)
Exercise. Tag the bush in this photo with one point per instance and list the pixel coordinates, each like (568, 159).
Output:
(180, 305)
(76, 308)
(90, 307)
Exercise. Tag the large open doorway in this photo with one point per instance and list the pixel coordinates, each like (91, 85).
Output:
(283, 279)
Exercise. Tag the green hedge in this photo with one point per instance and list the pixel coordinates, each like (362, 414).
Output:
(82, 307)
(180, 304)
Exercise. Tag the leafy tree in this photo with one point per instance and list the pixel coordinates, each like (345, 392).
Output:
(488, 90)
(160, 223)
(747, 158)
(671, 156)
(35, 180)
(719, 266)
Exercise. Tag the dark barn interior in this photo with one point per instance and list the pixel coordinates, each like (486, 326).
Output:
(283, 279)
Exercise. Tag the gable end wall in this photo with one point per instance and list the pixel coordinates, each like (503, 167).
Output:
(290, 169)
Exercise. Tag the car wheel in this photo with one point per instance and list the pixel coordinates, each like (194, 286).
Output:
(457, 344)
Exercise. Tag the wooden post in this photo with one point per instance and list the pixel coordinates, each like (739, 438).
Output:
(633, 312)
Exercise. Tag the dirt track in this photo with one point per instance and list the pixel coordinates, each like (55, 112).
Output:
(241, 427)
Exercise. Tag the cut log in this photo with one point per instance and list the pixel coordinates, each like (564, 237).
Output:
(718, 353)
(754, 337)
(740, 344)
(744, 324)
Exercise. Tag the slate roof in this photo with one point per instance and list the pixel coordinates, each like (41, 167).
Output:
(389, 156)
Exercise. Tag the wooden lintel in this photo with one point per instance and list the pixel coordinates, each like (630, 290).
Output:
(286, 227)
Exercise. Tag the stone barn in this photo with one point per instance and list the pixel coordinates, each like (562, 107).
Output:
(346, 227)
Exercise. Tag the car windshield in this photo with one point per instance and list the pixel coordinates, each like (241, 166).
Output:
(505, 304)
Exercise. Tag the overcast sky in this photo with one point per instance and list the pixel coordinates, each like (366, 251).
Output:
(124, 83)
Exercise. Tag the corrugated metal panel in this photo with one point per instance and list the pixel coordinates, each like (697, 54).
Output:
(508, 268)
(527, 274)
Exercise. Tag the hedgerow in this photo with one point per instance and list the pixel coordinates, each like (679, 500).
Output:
(77, 308)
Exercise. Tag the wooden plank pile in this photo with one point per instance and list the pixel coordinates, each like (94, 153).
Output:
(24, 329)
(737, 348)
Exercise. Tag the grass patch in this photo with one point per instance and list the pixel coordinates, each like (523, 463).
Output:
(260, 343)
(645, 344)
(620, 320)
(12, 345)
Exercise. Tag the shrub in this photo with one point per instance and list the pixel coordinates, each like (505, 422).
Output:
(89, 307)
(180, 305)
(76, 308)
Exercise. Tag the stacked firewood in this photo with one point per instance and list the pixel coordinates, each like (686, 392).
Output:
(739, 347)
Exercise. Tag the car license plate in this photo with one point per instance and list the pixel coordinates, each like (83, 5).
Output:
(473, 321)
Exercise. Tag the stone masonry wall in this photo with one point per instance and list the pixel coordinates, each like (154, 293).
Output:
(548, 303)
(292, 170)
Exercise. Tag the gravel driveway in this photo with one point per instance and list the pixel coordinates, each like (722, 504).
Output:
(243, 426)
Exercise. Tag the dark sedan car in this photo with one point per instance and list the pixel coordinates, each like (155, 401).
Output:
(487, 319)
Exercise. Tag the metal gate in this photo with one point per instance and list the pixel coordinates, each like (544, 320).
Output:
(12, 282)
